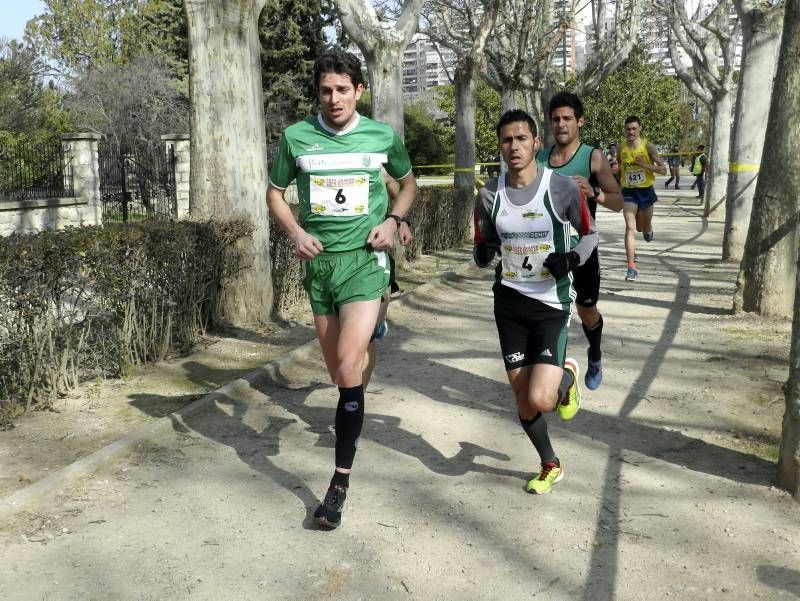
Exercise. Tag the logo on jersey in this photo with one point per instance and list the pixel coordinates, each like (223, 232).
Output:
(314, 148)
(546, 353)
(517, 235)
(515, 357)
(533, 214)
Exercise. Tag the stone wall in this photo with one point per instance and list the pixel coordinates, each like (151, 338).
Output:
(83, 208)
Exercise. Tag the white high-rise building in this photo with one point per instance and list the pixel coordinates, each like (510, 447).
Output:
(423, 66)
(653, 33)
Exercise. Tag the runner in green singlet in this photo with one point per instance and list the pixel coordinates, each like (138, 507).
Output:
(342, 237)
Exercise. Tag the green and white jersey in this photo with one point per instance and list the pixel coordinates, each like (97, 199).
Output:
(527, 224)
(339, 181)
(579, 164)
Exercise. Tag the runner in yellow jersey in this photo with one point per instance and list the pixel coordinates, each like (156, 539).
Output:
(638, 163)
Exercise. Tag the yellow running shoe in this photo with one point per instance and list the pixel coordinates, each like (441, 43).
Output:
(550, 474)
(569, 405)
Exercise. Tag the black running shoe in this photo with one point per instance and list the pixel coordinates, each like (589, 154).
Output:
(329, 514)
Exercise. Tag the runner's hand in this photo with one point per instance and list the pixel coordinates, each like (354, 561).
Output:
(588, 191)
(306, 246)
(381, 237)
(405, 235)
(642, 163)
(560, 264)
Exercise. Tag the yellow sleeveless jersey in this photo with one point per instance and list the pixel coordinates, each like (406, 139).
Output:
(632, 175)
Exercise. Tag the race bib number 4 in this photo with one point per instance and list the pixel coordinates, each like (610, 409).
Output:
(524, 263)
(339, 195)
(635, 177)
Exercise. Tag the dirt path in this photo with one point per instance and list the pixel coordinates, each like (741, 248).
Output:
(668, 466)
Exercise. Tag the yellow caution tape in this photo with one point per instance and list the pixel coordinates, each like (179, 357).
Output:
(739, 167)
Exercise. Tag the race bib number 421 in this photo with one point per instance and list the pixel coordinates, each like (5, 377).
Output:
(635, 177)
(339, 195)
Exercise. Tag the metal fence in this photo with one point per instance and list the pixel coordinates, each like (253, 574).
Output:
(136, 184)
(29, 172)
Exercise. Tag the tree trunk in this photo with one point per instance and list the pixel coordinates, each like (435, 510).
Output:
(717, 177)
(788, 477)
(508, 99)
(228, 177)
(464, 177)
(770, 256)
(382, 44)
(386, 85)
(760, 45)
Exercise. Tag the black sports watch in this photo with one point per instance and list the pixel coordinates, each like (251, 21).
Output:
(397, 220)
(407, 222)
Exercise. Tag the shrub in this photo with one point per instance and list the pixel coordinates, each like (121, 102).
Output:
(438, 221)
(83, 302)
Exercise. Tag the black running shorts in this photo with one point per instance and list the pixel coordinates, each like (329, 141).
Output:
(530, 331)
(587, 281)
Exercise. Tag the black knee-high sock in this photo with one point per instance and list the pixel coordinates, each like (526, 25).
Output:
(594, 335)
(566, 381)
(666, 183)
(349, 419)
(536, 429)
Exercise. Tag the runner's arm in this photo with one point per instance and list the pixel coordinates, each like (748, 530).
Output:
(486, 240)
(306, 246)
(569, 203)
(658, 165)
(609, 194)
(381, 237)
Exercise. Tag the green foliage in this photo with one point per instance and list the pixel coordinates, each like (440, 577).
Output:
(292, 36)
(84, 302)
(30, 111)
(428, 141)
(81, 34)
(487, 112)
(637, 88)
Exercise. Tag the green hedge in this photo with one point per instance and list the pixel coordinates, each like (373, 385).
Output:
(87, 302)
(80, 303)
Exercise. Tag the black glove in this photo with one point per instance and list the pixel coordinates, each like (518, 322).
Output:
(483, 254)
(560, 264)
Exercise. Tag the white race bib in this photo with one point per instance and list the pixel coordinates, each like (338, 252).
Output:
(339, 195)
(522, 261)
(635, 177)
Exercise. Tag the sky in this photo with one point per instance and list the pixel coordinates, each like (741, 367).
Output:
(14, 14)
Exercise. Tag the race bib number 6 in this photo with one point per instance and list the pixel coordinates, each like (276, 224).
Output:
(339, 195)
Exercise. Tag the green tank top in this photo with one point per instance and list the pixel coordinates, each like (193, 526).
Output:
(579, 164)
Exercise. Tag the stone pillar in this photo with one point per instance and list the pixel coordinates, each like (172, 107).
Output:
(80, 159)
(179, 143)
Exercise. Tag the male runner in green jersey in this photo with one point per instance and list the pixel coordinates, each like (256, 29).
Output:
(336, 158)
(589, 167)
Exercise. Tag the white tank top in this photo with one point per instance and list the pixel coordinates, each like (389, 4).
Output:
(528, 233)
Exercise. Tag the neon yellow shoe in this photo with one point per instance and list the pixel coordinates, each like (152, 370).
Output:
(569, 405)
(543, 483)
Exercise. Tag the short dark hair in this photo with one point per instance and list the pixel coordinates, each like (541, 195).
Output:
(513, 116)
(340, 62)
(566, 99)
(700, 147)
(633, 119)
